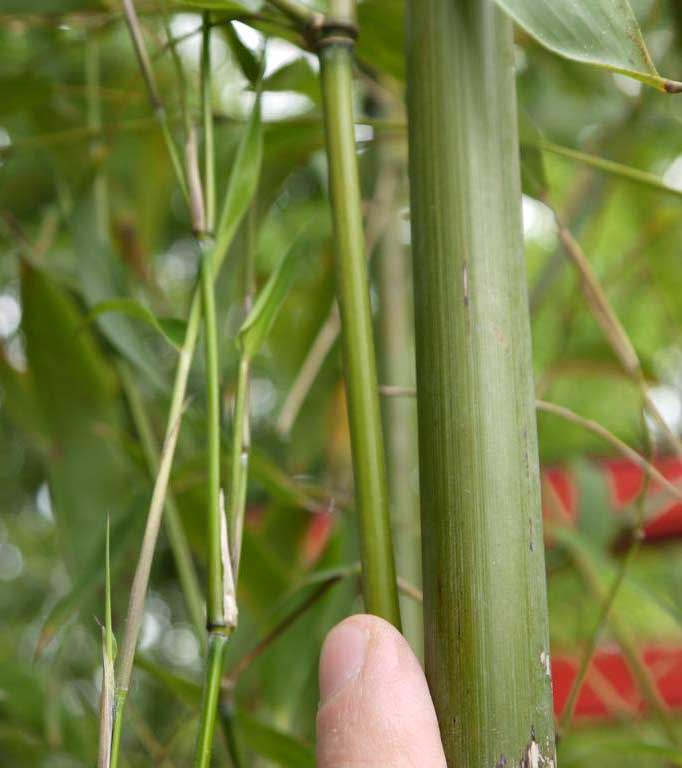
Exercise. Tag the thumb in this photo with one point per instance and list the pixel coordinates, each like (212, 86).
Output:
(375, 708)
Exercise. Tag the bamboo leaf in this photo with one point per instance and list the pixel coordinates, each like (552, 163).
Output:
(76, 390)
(248, 63)
(533, 175)
(171, 328)
(255, 328)
(604, 33)
(91, 579)
(241, 187)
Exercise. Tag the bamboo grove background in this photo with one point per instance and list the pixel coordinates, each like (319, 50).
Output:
(104, 244)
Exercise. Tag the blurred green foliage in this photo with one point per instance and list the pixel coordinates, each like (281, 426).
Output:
(90, 213)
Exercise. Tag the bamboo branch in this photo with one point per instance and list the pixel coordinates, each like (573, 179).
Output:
(379, 582)
(241, 187)
(623, 448)
(189, 582)
(214, 600)
(613, 330)
(158, 109)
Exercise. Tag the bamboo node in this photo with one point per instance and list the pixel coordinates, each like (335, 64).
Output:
(332, 32)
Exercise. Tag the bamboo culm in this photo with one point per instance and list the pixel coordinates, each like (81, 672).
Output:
(487, 645)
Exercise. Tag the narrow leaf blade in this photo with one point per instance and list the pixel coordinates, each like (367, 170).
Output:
(172, 329)
(241, 187)
(257, 325)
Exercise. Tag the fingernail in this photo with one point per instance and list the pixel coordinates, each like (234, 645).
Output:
(342, 659)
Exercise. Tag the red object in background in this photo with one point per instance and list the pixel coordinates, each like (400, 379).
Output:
(609, 688)
(625, 481)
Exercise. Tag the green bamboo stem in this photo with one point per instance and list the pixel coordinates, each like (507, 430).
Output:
(138, 590)
(119, 704)
(187, 575)
(482, 548)
(240, 191)
(214, 669)
(400, 414)
(379, 580)
(133, 23)
(214, 600)
(179, 69)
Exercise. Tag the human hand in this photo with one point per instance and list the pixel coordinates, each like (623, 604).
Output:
(375, 710)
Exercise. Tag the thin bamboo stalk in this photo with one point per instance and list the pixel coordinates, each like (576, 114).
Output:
(189, 582)
(214, 593)
(379, 578)
(483, 557)
(214, 669)
(613, 330)
(138, 590)
(396, 324)
(133, 23)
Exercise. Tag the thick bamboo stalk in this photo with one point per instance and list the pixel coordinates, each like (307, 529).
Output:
(487, 652)
(379, 582)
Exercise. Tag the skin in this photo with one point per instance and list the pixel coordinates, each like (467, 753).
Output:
(375, 708)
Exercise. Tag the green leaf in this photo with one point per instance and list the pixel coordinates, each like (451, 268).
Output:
(255, 328)
(102, 277)
(241, 187)
(281, 748)
(382, 43)
(604, 33)
(297, 76)
(92, 575)
(248, 63)
(533, 175)
(171, 328)
(76, 389)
